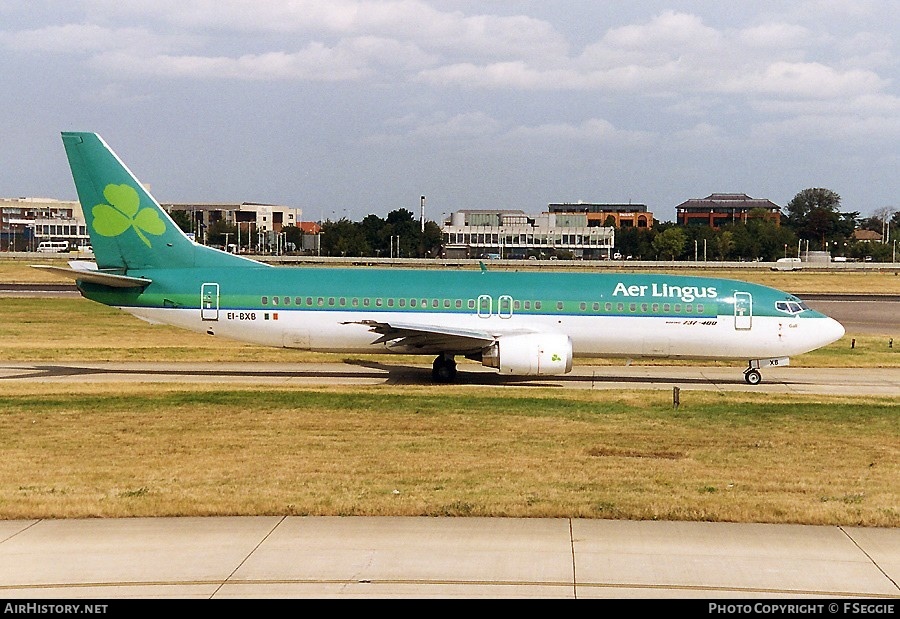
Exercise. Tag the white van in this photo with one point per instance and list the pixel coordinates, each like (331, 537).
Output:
(53, 247)
(788, 264)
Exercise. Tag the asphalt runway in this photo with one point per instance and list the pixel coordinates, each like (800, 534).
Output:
(861, 314)
(834, 381)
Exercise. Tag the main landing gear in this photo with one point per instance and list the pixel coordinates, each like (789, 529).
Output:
(752, 376)
(443, 370)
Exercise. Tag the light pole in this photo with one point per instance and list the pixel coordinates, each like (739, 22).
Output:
(423, 213)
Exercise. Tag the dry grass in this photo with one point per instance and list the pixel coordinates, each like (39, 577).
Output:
(91, 450)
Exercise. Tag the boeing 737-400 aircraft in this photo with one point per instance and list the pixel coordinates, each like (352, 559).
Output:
(521, 323)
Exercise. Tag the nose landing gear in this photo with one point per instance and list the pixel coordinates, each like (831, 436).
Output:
(752, 376)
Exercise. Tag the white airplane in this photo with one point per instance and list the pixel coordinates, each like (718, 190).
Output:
(521, 323)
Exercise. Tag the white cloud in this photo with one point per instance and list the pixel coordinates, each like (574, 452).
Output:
(453, 33)
(809, 80)
(593, 130)
(87, 38)
(439, 126)
(316, 62)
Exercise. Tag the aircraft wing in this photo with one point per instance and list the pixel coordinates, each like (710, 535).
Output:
(425, 338)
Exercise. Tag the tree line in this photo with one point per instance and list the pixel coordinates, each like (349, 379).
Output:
(812, 220)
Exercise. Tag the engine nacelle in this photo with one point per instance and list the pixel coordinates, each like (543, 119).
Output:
(530, 355)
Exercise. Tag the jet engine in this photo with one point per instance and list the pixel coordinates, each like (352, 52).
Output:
(530, 355)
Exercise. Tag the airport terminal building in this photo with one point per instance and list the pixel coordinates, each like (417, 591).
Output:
(510, 234)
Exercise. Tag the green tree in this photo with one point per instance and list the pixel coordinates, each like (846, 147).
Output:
(376, 232)
(814, 214)
(408, 231)
(434, 240)
(760, 239)
(182, 219)
(221, 233)
(725, 245)
(293, 236)
(344, 238)
(669, 243)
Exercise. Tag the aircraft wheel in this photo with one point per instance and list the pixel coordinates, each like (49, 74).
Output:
(753, 377)
(443, 370)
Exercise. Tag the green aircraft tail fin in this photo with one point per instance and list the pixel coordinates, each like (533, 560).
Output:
(128, 228)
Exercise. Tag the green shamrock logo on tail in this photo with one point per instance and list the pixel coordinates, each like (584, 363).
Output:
(123, 212)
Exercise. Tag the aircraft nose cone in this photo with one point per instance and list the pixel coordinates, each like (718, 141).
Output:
(831, 331)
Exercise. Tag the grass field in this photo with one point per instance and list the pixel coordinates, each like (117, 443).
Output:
(95, 450)
(99, 451)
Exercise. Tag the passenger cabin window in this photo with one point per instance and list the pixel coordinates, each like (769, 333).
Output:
(265, 300)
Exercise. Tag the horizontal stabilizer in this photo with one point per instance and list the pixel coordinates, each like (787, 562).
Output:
(94, 276)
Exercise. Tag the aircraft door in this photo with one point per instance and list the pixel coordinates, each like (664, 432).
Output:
(505, 306)
(485, 306)
(209, 301)
(743, 311)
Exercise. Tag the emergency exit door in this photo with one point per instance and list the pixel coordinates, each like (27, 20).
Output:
(743, 311)
(209, 301)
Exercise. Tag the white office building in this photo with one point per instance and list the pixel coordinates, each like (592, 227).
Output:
(510, 234)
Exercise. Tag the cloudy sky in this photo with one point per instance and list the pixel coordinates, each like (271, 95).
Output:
(347, 108)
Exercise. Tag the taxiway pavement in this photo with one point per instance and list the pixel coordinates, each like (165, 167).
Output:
(420, 557)
(794, 380)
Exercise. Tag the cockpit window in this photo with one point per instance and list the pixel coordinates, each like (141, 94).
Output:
(790, 307)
